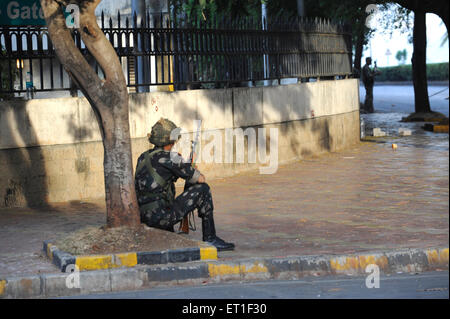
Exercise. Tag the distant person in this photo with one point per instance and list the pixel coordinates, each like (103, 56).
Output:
(368, 78)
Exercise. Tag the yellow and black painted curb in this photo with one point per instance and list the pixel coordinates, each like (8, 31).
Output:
(118, 279)
(130, 259)
(436, 128)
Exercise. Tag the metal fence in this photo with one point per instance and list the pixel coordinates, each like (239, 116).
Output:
(184, 54)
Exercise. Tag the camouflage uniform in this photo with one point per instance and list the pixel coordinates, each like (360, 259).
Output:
(156, 173)
(158, 206)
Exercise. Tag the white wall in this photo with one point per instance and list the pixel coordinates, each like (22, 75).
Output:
(71, 120)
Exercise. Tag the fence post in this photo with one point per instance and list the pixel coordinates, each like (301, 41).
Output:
(189, 53)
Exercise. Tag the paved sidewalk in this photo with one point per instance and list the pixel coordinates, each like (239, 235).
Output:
(365, 199)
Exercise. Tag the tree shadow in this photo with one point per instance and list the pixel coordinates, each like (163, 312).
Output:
(24, 167)
(28, 176)
(304, 135)
(293, 119)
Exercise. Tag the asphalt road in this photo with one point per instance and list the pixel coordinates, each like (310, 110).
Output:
(400, 98)
(430, 285)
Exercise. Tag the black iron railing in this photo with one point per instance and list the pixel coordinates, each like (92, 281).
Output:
(185, 54)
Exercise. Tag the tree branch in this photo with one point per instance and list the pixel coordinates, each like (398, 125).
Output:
(69, 55)
(100, 47)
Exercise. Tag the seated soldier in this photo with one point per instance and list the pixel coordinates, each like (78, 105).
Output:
(156, 173)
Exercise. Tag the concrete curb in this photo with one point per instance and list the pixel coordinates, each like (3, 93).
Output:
(62, 259)
(436, 128)
(289, 268)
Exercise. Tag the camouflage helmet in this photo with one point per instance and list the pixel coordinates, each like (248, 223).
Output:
(162, 131)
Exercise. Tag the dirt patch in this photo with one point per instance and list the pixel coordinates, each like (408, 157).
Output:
(94, 240)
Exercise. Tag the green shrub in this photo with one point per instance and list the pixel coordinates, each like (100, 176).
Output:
(435, 72)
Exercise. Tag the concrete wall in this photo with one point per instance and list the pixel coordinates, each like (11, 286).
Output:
(51, 150)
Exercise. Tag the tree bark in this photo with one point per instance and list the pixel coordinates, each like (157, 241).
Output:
(419, 63)
(109, 101)
(421, 8)
(359, 47)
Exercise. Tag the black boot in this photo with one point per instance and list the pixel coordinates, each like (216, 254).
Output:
(220, 244)
(209, 235)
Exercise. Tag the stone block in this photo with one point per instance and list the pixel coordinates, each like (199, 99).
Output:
(377, 132)
(26, 287)
(404, 132)
(127, 279)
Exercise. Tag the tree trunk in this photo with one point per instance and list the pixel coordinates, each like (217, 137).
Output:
(121, 203)
(108, 99)
(359, 47)
(419, 63)
(420, 8)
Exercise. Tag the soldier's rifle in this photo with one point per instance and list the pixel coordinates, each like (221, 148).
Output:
(185, 223)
